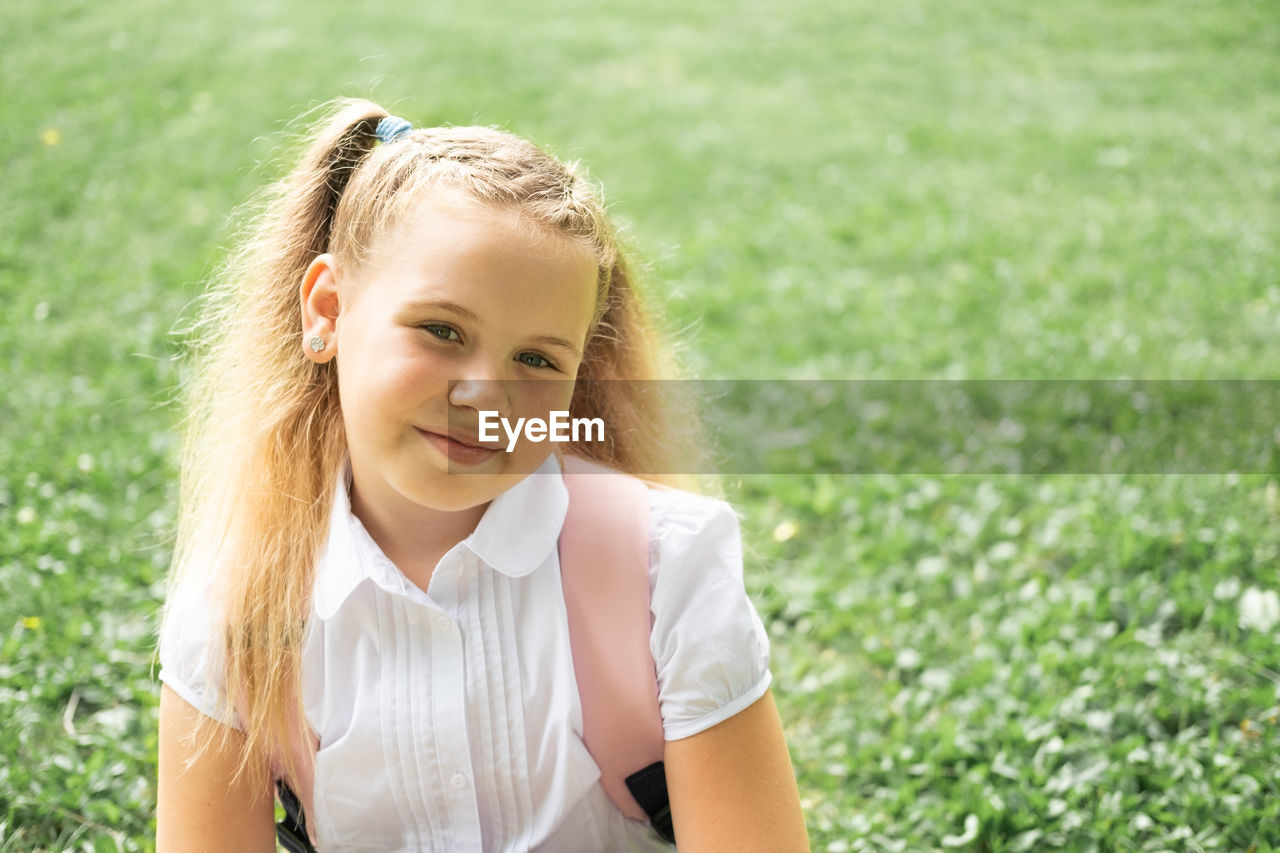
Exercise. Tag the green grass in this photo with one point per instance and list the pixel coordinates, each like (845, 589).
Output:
(907, 190)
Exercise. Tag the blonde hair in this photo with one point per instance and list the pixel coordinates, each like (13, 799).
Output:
(263, 436)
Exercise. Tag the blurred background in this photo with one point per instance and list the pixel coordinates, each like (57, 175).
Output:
(943, 190)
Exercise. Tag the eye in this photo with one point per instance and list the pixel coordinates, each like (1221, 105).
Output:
(532, 359)
(443, 332)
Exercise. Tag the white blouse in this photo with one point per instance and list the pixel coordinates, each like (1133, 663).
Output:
(449, 719)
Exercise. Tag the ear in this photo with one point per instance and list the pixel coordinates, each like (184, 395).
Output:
(320, 306)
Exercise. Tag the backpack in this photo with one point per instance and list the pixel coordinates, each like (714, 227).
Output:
(604, 569)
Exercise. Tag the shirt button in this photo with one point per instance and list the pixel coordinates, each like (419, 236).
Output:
(443, 622)
(458, 780)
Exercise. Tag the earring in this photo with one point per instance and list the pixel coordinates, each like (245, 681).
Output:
(316, 343)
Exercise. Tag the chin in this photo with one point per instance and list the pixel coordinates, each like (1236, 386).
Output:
(460, 492)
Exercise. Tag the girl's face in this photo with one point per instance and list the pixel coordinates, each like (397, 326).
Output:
(462, 307)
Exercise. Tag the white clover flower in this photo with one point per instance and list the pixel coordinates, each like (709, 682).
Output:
(907, 659)
(1259, 609)
(931, 566)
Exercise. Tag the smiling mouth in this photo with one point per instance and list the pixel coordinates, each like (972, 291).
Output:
(460, 449)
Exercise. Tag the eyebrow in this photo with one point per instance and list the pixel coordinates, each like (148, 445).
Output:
(467, 314)
(444, 305)
(552, 340)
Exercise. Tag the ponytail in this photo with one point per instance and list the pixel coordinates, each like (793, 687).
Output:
(316, 185)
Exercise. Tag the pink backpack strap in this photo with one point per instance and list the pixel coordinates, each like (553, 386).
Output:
(604, 567)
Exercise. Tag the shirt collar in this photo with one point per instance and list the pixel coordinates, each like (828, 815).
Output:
(518, 530)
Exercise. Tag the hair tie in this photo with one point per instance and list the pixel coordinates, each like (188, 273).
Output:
(392, 128)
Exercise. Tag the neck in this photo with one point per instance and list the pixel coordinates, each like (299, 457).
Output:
(413, 537)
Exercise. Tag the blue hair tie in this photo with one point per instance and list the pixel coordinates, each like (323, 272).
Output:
(392, 128)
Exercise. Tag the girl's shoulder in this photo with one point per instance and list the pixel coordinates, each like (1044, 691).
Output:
(708, 642)
(679, 520)
(672, 503)
(189, 648)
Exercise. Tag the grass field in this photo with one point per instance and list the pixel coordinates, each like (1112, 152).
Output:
(857, 190)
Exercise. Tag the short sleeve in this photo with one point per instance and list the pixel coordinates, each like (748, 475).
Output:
(190, 659)
(710, 647)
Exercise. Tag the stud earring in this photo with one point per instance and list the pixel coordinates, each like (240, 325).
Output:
(316, 343)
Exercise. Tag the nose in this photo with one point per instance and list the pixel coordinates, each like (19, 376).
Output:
(481, 389)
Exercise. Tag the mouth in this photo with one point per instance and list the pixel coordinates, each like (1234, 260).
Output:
(460, 448)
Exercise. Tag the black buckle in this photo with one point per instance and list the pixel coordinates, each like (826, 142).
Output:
(649, 787)
(292, 831)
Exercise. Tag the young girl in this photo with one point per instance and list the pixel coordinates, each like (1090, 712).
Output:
(366, 601)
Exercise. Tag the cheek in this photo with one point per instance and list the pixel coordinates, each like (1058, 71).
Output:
(416, 376)
(395, 376)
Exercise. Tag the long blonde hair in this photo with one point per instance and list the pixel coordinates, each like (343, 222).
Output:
(263, 435)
